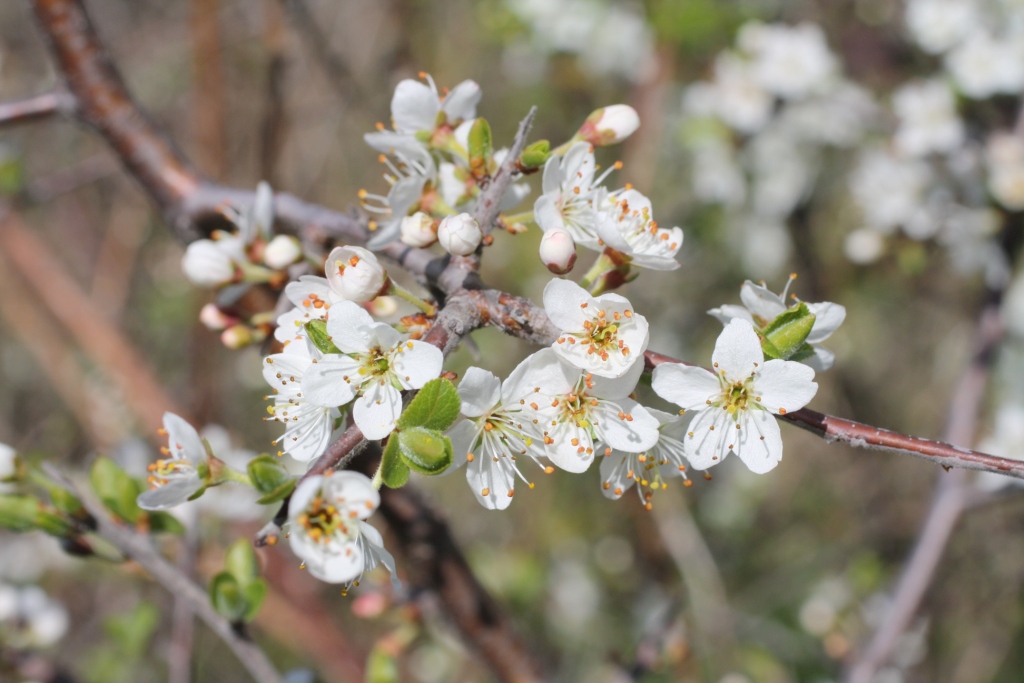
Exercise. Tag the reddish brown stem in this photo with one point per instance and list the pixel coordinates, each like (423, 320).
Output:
(37, 107)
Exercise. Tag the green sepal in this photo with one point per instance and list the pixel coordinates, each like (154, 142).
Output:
(115, 489)
(788, 332)
(18, 513)
(317, 331)
(394, 472)
(803, 353)
(270, 478)
(480, 148)
(435, 406)
(164, 522)
(536, 155)
(427, 451)
(228, 598)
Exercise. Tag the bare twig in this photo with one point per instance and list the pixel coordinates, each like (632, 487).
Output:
(37, 107)
(953, 495)
(139, 549)
(490, 198)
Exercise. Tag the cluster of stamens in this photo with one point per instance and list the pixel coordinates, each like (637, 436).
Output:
(600, 334)
(323, 522)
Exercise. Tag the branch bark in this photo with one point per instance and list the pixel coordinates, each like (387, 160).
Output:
(37, 107)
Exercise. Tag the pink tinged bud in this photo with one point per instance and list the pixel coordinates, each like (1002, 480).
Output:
(355, 274)
(609, 125)
(236, 336)
(558, 251)
(215, 319)
(207, 265)
(459, 235)
(418, 230)
(282, 251)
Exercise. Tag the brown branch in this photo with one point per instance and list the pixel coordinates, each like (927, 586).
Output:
(489, 200)
(37, 107)
(139, 549)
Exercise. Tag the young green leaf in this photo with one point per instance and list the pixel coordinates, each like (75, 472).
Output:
(536, 154)
(317, 331)
(164, 522)
(480, 148)
(270, 478)
(116, 490)
(788, 332)
(394, 471)
(18, 513)
(427, 451)
(241, 562)
(435, 406)
(227, 597)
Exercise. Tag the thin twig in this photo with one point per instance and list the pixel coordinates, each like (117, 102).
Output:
(35, 108)
(490, 199)
(139, 549)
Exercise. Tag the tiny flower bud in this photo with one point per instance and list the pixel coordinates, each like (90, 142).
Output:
(8, 463)
(355, 274)
(558, 251)
(207, 265)
(282, 251)
(215, 319)
(418, 230)
(609, 125)
(382, 306)
(236, 337)
(459, 235)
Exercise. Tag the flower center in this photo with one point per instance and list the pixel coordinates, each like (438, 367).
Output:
(323, 522)
(736, 396)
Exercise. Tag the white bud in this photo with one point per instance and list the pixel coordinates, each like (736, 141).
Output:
(282, 251)
(236, 336)
(609, 125)
(215, 319)
(355, 274)
(418, 230)
(8, 462)
(558, 251)
(864, 245)
(382, 306)
(207, 265)
(459, 235)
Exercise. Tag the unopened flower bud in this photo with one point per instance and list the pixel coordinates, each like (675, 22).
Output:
(418, 230)
(382, 306)
(215, 319)
(207, 265)
(355, 274)
(558, 251)
(282, 251)
(609, 125)
(236, 336)
(459, 235)
(8, 463)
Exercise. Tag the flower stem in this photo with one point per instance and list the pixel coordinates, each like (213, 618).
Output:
(524, 217)
(402, 293)
(564, 147)
(592, 281)
(378, 476)
(228, 474)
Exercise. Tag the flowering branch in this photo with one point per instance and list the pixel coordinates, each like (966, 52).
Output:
(36, 107)
(138, 549)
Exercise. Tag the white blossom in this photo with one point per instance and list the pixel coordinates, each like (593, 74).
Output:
(609, 125)
(500, 428)
(308, 425)
(312, 297)
(373, 367)
(735, 96)
(207, 263)
(789, 61)
(736, 402)
(459, 235)
(984, 65)
(8, 462)
(418, 230)
(928, 119)
(355, 274)
(255, 223)
(418, 108)
(761, 306)
(864, 245)
(282, 251)
(29, 618)
(412, 170)
(938, 25)
(1004, 160)
(327, 528)
(569, 188)
(581, 413)
(181, 474)
(889, 189)
(602, 335)
(717, 177)
(837, 117)
(625, 222)
(651, 469)
(558, 251)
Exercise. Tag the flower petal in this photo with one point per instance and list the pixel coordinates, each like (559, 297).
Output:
(827, 319)
(569, 456)
(352, 491)
(822, 360)
(615, 479)
(546, 213)
(758, 442)
(374, 553)
(329, 382)
(346, 324)
(299, 290)
(183, 440)
(377, 410)
(784, 386)
(498, 479)
(170, 495)
(414, 107)
(460, 103)
(762, 302)
(631, 435)
(617, 387)
(464, 436)
(688, 387)
(417, 363)
(737, 351)
(340, 565)
(303, 494)
(479, 391)
(563, 300)
(729, 311)
(704, 441)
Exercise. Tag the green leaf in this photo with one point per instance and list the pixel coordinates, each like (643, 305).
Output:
(227, 597)
(394, 472)
(480, 148)
(317, 331)
(18, 513)
(435, 406)
(381, 666)
(164, 522)
(536, 154)
(270, 478)
(116, 490)
(427, 451)
(241, 562)
(255, 593)
(788, 332)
